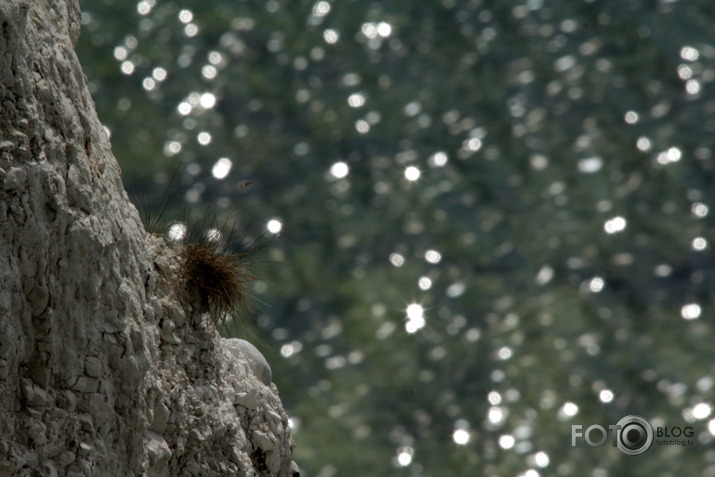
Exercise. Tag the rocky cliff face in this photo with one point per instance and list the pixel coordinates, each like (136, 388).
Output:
(106, 365)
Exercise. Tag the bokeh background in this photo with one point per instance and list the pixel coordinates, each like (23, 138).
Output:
(493, 217)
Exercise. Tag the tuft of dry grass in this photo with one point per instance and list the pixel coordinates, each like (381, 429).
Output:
(214, 274)
(219, 277)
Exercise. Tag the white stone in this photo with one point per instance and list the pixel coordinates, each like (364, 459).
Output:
(158, 452)
(249, 400)
(242, 349)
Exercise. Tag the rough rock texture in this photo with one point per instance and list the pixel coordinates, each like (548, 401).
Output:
(243, 350)
(106, 367)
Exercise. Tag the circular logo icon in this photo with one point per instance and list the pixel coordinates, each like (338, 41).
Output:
(634, 436)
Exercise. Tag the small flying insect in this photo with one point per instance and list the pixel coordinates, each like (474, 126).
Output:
(244, 186)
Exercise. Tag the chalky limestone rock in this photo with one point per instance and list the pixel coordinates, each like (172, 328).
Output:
(243, 350)
(106, 367)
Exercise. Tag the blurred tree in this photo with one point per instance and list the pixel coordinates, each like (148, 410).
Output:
(494, 216)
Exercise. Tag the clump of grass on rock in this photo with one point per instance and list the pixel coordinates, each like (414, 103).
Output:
(215, 273)
(216, 267)
(219, 277)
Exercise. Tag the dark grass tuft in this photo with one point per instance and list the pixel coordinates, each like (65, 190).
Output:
(219, 277)
(218, 268)
(216, 265)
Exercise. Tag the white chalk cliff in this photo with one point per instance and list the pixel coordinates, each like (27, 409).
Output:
(105, 367)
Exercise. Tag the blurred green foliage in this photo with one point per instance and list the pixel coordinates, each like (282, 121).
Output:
(535, 176)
